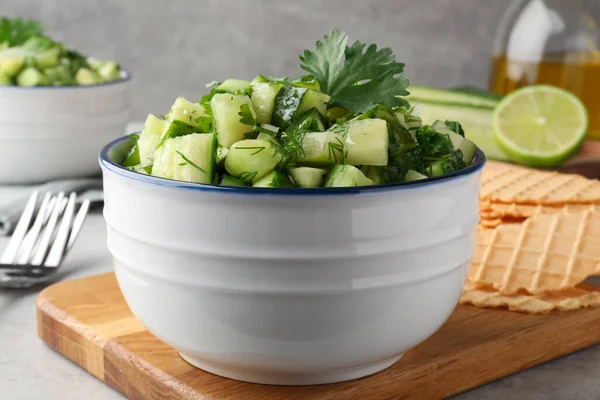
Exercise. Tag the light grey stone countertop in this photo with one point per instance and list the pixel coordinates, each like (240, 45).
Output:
(29, 370)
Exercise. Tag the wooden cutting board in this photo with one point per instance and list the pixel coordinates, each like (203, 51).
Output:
(88, 321)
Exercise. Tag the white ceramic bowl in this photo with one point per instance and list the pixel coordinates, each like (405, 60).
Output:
(290, 286)
(49, 133)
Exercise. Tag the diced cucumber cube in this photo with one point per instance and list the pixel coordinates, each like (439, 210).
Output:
(252, 159)
(260, 79)
(11, 65)
(307, 81)
(333, 114)
(154, 128)
(94, 63)
(109, 71)
(322, 148)
(263, 100)
(187, 112)
(274, 179)
(464, 145)
(189, 158)
(234, 86)
(435, 169)
(413, 175)
(222, 153)
(311, 121)
(266, 136)
(373, 173)
(346, 175)
(440, 127)
(307, 177)
(58, 75)
(85, 76)
(133, 157)
(30, 77)
(229, 180)
(286, 105)
(5, 79)
(367, 142)
(48, 58)
(142, 169)
(164, 159)
(226, 108)
(292, 101)
(314, 99)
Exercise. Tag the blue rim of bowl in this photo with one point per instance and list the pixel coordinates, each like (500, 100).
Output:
(125, 77)
(106, 163)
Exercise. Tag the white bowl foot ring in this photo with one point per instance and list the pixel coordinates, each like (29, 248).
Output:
(274, 378)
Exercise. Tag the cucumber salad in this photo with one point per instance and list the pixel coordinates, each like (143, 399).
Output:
(29, 58)
(345, 123)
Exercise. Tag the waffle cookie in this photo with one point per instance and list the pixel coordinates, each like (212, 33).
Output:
(503, 210)
(547, 252)
(565, 300)
(505, 183)
(493, 222)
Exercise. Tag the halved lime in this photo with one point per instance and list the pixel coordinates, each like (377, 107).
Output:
(540, 126)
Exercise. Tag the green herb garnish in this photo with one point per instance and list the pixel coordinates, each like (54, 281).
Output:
(248, 119)
(356, 78)
(190, 162)
(336, 150)
(257, 148)
(15, 31)
(248, 176)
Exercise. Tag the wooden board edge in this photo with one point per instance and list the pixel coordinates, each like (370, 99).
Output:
(68, 336)
(138, 379)
(562, 342)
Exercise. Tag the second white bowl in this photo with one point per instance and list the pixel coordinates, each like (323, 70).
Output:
(51, 133)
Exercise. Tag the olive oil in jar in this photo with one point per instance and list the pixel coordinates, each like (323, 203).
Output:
(577, 72)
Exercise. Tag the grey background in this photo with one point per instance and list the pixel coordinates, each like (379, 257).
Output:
(173, 47)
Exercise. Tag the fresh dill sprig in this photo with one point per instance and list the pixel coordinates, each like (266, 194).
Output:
(190, 162)
(257, 148)
(248, 176)
(337, 147)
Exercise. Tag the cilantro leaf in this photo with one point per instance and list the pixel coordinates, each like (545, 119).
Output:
(357, 77)
(324, 63)
(246, 114)
(15, 31)
(205, 124)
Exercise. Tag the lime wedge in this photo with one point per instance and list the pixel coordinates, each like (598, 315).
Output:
(540, 126)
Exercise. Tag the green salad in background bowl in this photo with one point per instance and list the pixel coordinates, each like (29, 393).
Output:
(345, 123)
(57, 106)
(30, 58)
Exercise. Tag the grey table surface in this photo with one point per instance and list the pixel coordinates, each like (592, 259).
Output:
(29, 370)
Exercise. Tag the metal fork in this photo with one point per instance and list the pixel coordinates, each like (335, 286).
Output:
(36, 250)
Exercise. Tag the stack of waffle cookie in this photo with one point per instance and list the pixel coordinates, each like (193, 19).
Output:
(539, 239)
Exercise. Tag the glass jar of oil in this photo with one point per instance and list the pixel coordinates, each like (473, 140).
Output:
(553, 42)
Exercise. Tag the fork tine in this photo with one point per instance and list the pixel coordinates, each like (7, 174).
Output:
(31, 237)
(78, 223)
(42, 249)
(62, 235)
(11, 251)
